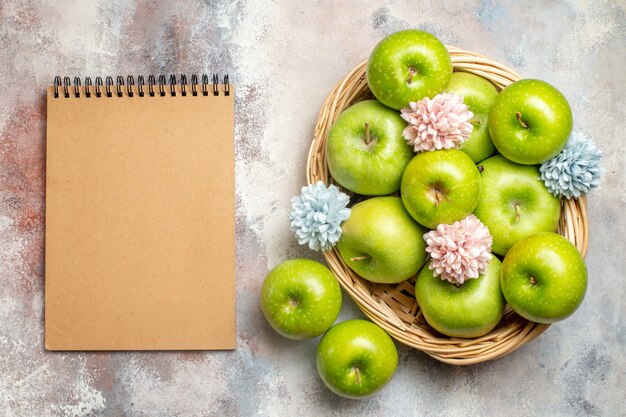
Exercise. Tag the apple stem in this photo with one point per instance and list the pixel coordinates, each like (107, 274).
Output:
(367, 134)
(412, 73)
(475, 122)
(517, 213)
(357, 371)
(481, 168)
(360, 258)
(532, 281)
(520, 121)
(438, 197)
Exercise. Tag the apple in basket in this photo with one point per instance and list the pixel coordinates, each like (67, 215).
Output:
(381, 242)
(300, 298)
(530, 122)
(408, 66)
(515, 203)
(470, 309)
(544, 277)
(356, 358)
(440, 187)
(479, 95)
(365, 151)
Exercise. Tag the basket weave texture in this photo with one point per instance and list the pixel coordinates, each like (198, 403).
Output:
(393, 307)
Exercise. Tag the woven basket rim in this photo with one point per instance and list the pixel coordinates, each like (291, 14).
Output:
(391, 306)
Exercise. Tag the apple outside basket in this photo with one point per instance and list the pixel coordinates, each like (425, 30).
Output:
(393, 306)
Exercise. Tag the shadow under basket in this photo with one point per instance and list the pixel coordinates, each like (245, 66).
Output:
(393, 307)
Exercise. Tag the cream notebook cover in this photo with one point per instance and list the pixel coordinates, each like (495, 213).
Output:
(140, 236)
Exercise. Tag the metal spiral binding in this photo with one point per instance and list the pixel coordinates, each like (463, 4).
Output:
(87, 87)
(130, 82)
(98, 85)
(140, 83)
(108, 82)
(125, 86)
(205, 85)
(183, 85)
(120, 84)
(194, 85)
(76, 86)
(151, 82)
(172, 85)
(226, 85)
(66, 87)
(162, 82)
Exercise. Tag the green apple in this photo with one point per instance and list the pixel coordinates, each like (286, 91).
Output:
(440, 187)
(514, 203)
(530, 122)
(544, 277)
(468, 310)
(478, 94)
(365, 150)
(356, 358)
(408, 66)
(300, 298)
(381, 242)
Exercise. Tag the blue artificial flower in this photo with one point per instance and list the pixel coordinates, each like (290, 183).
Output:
(316, 215)
(574, 171)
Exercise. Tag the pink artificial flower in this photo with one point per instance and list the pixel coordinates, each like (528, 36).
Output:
(440, 123)
(459, 251)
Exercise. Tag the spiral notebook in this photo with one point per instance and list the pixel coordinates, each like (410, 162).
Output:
(140, 236)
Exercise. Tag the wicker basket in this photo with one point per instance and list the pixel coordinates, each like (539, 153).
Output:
(393, 307)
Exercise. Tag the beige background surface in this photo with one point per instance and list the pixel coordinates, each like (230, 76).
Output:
(285, 56)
